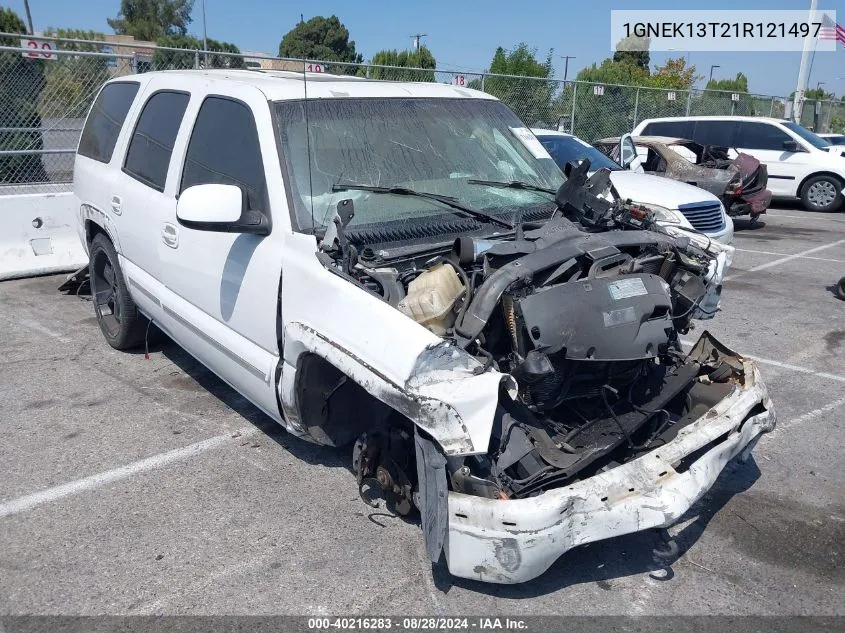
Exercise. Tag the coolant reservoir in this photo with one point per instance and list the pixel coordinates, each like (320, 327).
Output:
(431, 297)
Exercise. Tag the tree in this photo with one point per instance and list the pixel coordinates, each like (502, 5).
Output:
(530, 99)
(152, 19)
(674, 74)
(321, 39)
(711, 102)
(633, 50)
(73, 82)
(21, 83)
(421, 58)
(165, 59)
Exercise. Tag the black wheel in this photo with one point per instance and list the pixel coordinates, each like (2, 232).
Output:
(822, 193)
(121, 323)
(840, 289)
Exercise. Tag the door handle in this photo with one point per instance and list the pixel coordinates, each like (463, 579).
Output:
(170, 235)
(116, 203)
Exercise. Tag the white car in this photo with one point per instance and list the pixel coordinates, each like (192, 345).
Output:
(674, 203)
(799, 163)
(403, 266)
(837, 141)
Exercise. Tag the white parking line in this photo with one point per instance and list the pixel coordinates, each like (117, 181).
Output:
(804, 217)
(777, 363)
(805, 417)
(796, 368)
(30, 501)
(819, 259)
(783, 260)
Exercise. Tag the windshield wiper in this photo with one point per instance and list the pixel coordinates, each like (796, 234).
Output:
(512, 184)
(447, 200)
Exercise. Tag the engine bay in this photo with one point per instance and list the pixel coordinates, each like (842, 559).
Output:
(584, 310)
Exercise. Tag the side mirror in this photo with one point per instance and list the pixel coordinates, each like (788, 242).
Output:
(220, 208)
(627, 151)
(792, 146)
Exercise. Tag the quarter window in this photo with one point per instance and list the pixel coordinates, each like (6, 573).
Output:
(224, 149)
(105, 120)
(148, 156)
(674, 129)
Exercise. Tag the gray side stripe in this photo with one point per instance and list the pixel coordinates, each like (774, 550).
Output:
(255, 371)
(149, 295)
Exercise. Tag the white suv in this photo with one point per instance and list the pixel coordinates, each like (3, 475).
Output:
(403, 266)
(799, 163)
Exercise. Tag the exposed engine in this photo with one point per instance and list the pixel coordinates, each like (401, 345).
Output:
(584, 311)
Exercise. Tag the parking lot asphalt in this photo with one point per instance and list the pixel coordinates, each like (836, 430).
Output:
(134, 486)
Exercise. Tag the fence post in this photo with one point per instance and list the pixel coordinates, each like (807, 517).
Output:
(196, 59)
(689, 100)
(636, 107)
(572, 118)
(482, 82)
(772, 108)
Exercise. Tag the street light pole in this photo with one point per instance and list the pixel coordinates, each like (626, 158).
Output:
(566, 59)
(711, 71)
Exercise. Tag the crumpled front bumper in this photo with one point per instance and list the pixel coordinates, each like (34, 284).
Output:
(512, 541)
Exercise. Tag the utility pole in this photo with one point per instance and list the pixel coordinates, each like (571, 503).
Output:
(28, 17)
(416, 37)
(566, 59)
(204, 35)
(809, 40)
(711, 71)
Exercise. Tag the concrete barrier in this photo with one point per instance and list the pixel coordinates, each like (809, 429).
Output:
(38, 234)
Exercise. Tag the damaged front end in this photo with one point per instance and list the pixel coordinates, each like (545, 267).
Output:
(601, 424)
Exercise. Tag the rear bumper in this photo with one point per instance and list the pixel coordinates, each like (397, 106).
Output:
(517, 540)
(751, 204)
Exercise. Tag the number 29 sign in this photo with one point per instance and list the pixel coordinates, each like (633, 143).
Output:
(38, 49)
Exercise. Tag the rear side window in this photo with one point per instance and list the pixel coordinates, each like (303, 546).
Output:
(754, 135)
(148, 156)
(224, 149)
(105, 120)
(718, 133)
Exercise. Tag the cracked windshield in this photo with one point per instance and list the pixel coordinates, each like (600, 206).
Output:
(430, 146)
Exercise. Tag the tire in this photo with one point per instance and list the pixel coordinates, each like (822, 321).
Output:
(122, 325)
(840, 289)
(822, 193)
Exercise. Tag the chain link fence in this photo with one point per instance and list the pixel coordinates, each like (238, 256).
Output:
(45, 96)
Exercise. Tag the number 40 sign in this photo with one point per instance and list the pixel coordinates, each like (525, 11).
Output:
(38, 49)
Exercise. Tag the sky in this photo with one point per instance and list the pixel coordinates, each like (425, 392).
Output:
(464, 35)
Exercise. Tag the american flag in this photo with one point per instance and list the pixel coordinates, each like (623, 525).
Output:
(830, 30)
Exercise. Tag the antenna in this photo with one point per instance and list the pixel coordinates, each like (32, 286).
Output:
(416, 37)
(308, 142)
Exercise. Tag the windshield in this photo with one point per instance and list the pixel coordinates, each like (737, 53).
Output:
(568, 148)
(429, 145)
(835, 139)
(813, 139)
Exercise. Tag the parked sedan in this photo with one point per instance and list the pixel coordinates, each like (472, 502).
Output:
(739, 183)
(674, 203)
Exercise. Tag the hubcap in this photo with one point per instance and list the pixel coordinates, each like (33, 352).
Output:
(822, 193)
(106, 294)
